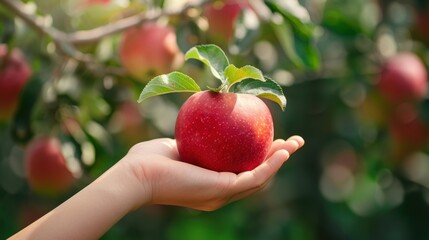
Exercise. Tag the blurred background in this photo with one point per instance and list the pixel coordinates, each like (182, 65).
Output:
(354, 74)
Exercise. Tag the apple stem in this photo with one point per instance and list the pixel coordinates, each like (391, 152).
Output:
(224, 89)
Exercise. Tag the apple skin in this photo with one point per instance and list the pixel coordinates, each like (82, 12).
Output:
(46, 167)
(222, 17)
(14, 73)
(403, 78)
(224, 132)
(149, 50)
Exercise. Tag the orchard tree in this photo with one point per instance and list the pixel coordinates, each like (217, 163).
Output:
(354, 74)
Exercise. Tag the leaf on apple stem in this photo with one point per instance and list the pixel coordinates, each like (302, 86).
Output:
(168, 83)
(211, 55)
(268, 89)
(247, 79)
(235, 75)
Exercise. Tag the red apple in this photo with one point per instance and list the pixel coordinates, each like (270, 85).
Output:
(403, 78)
(14, 73)
(150, 49)
(225, 132)
(222, 16)
(46, 167)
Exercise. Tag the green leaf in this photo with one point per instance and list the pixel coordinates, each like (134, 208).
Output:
(211, 55)
(296, 37)
(235, 75)
(268, 89)
(168, 83)
(340, 23)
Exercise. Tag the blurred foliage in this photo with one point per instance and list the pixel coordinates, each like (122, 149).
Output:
(352, 180)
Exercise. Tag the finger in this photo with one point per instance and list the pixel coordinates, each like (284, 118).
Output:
(172, 146)
(275, 146)
(259, 176)
(291, 145)
(298, 139)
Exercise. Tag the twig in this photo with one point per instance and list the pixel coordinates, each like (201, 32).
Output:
(94, 35)
(38, 23)
(35, 22)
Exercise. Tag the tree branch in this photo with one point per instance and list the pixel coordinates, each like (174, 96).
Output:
(94, 35)
(66, 42)
(18, 8)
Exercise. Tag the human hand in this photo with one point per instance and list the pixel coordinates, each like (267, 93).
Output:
(151, 174)
(166, 180)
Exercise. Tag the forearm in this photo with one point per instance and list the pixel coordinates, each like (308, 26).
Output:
(92, 211)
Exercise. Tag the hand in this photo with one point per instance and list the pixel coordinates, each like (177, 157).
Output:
(166, 180)
(151, 174)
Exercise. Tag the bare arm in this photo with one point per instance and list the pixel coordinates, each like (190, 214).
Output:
(151, 174)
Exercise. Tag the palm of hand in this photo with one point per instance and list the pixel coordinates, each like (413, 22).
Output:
(172, 182)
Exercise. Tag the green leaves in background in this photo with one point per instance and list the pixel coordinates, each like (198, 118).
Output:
(336, 21)
(212, 56)
(349, 19)
(268, 89)
(295, 36)
(167, 83)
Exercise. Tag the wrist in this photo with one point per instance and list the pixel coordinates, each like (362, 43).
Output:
(134, 183)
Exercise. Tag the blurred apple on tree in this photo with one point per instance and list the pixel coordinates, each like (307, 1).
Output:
(221, 17)
(46, 167)
(403, 78)
(150, 49)
(14, 73)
